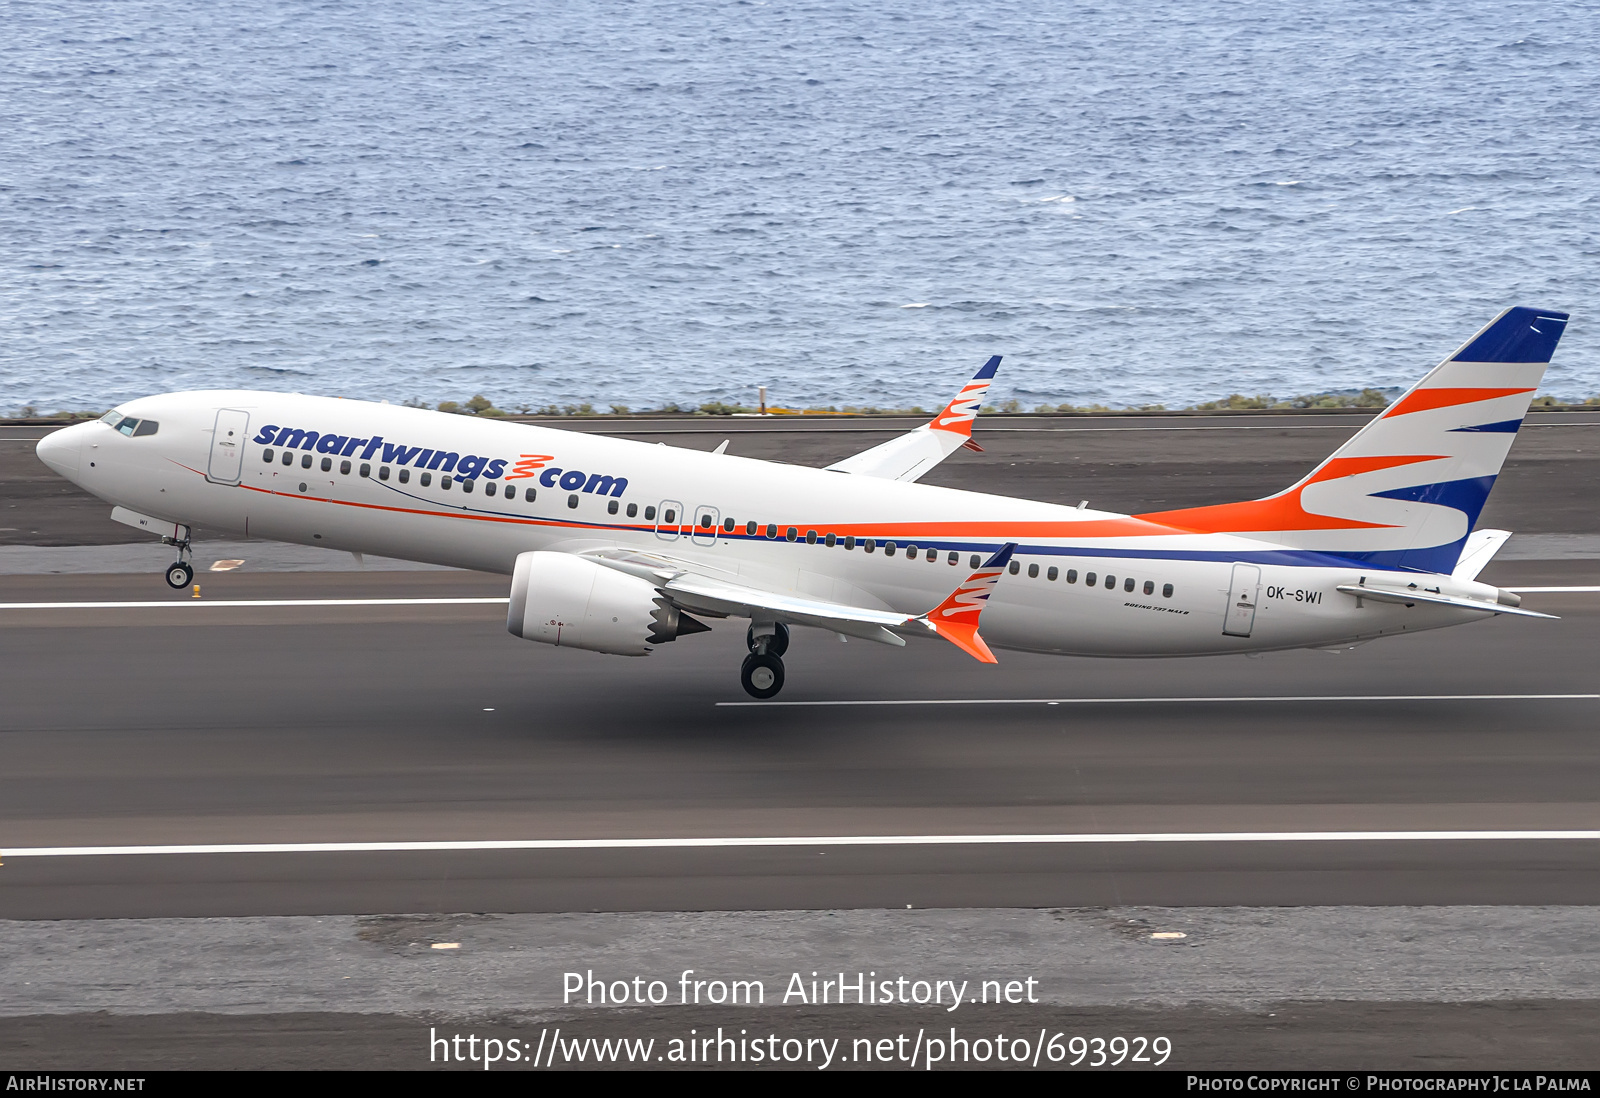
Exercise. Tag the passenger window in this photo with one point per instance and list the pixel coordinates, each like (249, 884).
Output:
(829, 541)
(811, 537)
(1111, 582)
(705, 522)
(1015, 567)
(327, 465)
(976, 560)
(611, 508)
(1166, 590)
(1088, 579)
(1149, 587)
(266, 455)
(366, 469)
(1072, 576)
(954, 557)
(445, 482)
(490, 487)
(344, 468)
(405, 475)
(1033, 571)
(772, 530)
(933, 554)
(750, 528)
(727, 525)
(850, 541)
(889, 548)
(633, 510)
(288, 458)
(669, 517)
(466, 485)
(1127, 584)
(427, 479)
(649, 513)
(1052, 573)
(383, 472)
(529, 494)
(146, 427)
(869, 545)
(791, 534)
(572, 501)
(305, 461)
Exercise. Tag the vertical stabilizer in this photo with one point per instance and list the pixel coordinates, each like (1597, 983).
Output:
(1407, 489)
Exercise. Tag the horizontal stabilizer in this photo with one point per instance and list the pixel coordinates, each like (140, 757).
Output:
(1410, 598)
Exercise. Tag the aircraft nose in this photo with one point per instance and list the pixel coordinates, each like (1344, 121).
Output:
(60, 450)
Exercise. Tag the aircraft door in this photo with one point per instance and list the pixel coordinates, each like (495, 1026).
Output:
(705, 525)
(1244, 595)
(668, 515)
(227, 446)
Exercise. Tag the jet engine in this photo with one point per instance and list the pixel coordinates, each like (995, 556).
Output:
(560, 599)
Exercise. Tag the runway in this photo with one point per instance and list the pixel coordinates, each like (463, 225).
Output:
(361, 722)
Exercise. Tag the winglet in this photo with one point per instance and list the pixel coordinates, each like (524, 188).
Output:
(958, 415)
(908, 456)
(956, 618)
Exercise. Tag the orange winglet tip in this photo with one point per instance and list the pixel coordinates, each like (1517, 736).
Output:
(964, 637)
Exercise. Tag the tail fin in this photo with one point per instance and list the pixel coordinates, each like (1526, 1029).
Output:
(1407, 489)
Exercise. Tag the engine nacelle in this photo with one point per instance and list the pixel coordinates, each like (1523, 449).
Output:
(560, 599)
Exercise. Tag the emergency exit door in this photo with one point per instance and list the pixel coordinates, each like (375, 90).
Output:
(1244, 594)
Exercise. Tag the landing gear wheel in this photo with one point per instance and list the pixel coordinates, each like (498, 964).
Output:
(179, 575)
(777, 642)
(761, 676)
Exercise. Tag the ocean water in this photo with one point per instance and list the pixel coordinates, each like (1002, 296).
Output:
(849, 203)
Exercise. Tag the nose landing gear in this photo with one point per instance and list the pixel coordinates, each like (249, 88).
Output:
(180, 573)
(762, 672)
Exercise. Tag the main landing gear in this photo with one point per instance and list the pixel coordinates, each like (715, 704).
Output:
(180, 573)
(762, 673)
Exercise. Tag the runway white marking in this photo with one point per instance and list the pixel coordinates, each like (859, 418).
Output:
(725, 842)
(1185, 701)
(192, 602)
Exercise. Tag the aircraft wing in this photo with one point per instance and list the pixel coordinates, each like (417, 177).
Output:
(698, 589)
(912, 454)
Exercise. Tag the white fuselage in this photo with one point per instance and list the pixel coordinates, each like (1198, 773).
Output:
(680, 502)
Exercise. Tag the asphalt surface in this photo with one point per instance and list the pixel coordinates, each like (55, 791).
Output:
(1438, 987)
(193, 724)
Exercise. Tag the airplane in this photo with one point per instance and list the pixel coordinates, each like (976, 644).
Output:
(618, 546)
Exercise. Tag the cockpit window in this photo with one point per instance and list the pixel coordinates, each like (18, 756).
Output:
(133, 428)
